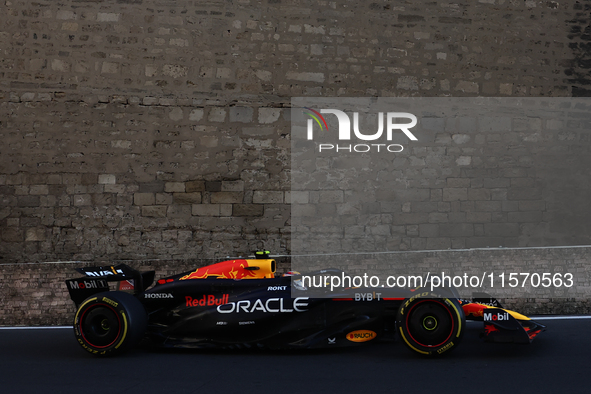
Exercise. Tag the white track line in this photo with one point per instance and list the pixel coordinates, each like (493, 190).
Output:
(36, 328)
(560, 317)
(393, 252)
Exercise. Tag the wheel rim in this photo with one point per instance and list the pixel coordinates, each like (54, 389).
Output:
(100, 326)
(430, 323)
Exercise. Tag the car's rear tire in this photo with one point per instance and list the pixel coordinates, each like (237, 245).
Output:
(430, 324)
(109, 323)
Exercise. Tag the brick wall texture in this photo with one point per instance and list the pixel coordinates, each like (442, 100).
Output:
(160, 130)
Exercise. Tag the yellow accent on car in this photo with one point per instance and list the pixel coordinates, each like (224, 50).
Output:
(266, 267)
(516, 315)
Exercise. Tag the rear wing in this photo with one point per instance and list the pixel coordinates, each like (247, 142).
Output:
(96, 280)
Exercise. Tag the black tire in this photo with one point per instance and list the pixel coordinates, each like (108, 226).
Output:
(430, 324)
(109, 323)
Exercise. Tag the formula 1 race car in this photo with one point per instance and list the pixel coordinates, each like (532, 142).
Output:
(240, 303)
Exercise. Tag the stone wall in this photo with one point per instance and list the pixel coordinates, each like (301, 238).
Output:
(157, 129)
(140, 180)
(482, 172)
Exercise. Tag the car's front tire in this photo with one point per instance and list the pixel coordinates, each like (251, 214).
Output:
(430, 324)
(109, 323)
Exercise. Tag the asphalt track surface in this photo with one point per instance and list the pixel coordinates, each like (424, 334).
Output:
(50, 361)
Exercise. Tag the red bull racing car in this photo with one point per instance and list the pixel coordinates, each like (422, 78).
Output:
(241, 303)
